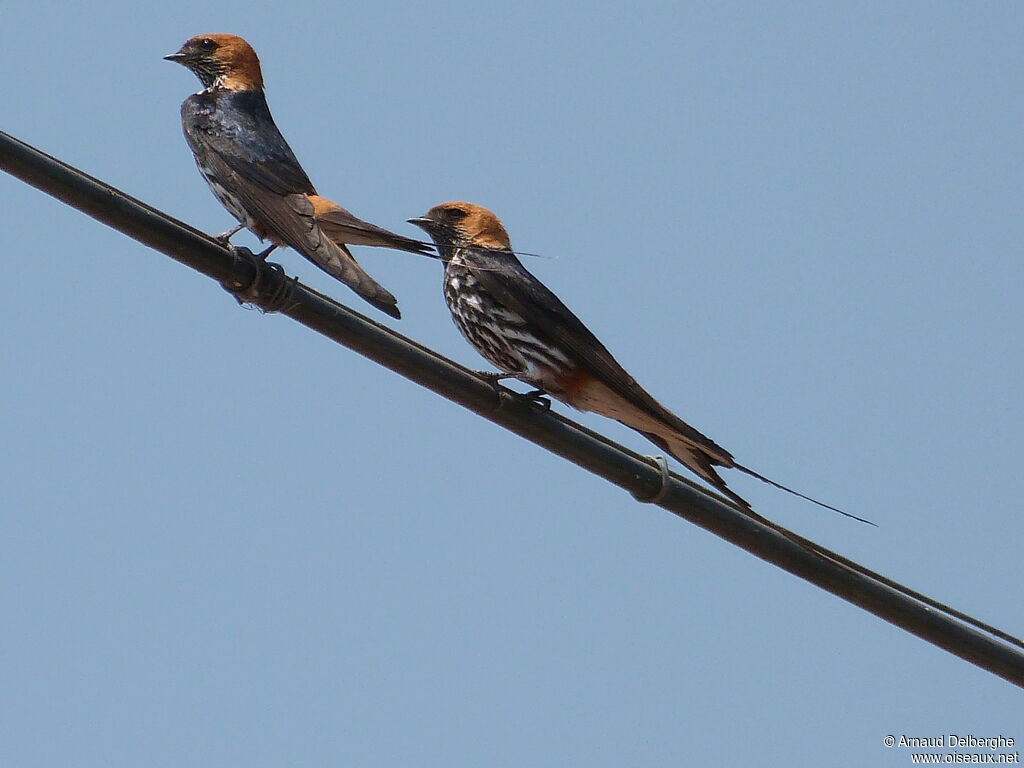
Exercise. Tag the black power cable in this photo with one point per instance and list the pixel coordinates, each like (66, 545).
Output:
(266, 286)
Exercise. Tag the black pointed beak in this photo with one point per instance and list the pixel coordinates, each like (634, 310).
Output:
(422, 222)
(178, 57)
(435, 230)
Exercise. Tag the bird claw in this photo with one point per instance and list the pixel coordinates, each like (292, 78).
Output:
(493, 377)
(539, 398)
(224, 238)
(536, 396)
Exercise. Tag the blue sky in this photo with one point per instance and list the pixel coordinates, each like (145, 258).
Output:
(225, 540)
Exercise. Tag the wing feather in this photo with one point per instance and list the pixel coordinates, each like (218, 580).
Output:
(344, 227)
(512, 284)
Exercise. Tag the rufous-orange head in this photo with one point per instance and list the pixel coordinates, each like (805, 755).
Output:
(461, 223)
(221, 61)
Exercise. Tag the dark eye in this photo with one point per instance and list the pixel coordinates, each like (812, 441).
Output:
(207, 44)
(455, 214)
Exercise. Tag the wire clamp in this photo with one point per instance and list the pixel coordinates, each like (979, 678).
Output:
(270, 290)
(662, 464)
(243, 293)
(282, 297)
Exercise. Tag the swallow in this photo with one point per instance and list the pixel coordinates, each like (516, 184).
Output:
(255, 175)
(525, 331)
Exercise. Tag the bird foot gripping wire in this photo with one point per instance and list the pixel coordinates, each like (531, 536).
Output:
(224, 238)
(536, 397)
(662, 464)
(270, 290)
(539, 398)
(494, 377)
